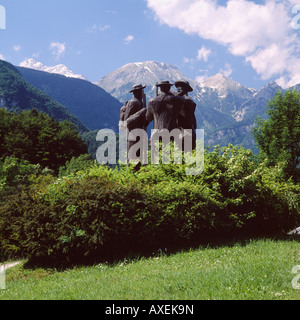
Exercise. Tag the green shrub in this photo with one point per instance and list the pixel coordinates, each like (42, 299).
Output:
(238, 192)
(74, 219)
(15, 174)
(103, 212)
(81, 163)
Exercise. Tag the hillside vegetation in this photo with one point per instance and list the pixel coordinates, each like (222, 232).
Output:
(91, 104)
(16, 94)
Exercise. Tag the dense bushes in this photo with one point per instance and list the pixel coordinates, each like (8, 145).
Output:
(83, 162)
(16, 174)
(74, 219)
(101, 212)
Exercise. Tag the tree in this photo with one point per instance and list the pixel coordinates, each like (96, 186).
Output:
(278, 137)
(39, 139)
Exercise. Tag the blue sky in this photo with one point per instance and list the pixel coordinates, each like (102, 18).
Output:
(252, 42)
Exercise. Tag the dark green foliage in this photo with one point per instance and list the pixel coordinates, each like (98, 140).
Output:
(38, 138)
(104, 213)
(16, 174)
(278, 137)
(90, 139)
(74, 221)
(81, 163)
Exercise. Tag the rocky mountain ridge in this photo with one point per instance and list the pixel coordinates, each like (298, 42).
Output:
(225, 108)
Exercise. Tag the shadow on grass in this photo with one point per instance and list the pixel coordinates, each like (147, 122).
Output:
(113, 256)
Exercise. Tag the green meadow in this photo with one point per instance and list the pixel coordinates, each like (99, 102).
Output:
(253, 270)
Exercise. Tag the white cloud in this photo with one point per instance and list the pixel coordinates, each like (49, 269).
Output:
(98, 27)
(129, 39)
(258, 32)
(294, 2)
(17, 48)
(200, 79)
(203, 54)
(57, 49)
(2, 57)
(227, 70)
(270, 60)
(202, 76)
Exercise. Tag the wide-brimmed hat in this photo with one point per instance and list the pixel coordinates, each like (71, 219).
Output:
(164, 83)
(137, 87)
(185, 83)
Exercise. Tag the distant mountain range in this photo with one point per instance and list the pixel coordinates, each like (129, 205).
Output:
(58, 69)
(18, 94)
(91, 104)
(225, 108)
(120, 82)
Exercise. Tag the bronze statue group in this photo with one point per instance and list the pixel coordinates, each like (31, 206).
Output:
(170, 112)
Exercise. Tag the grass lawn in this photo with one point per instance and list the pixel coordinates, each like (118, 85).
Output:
(258, 269)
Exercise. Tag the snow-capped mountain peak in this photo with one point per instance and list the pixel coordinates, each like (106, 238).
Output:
(215, 81)
(224, 86)
(119, 82)
(58, 69)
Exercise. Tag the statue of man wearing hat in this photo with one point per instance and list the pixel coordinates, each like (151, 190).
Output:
(135, 110)
(186, 118)
(164, 109)
(133, 113)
